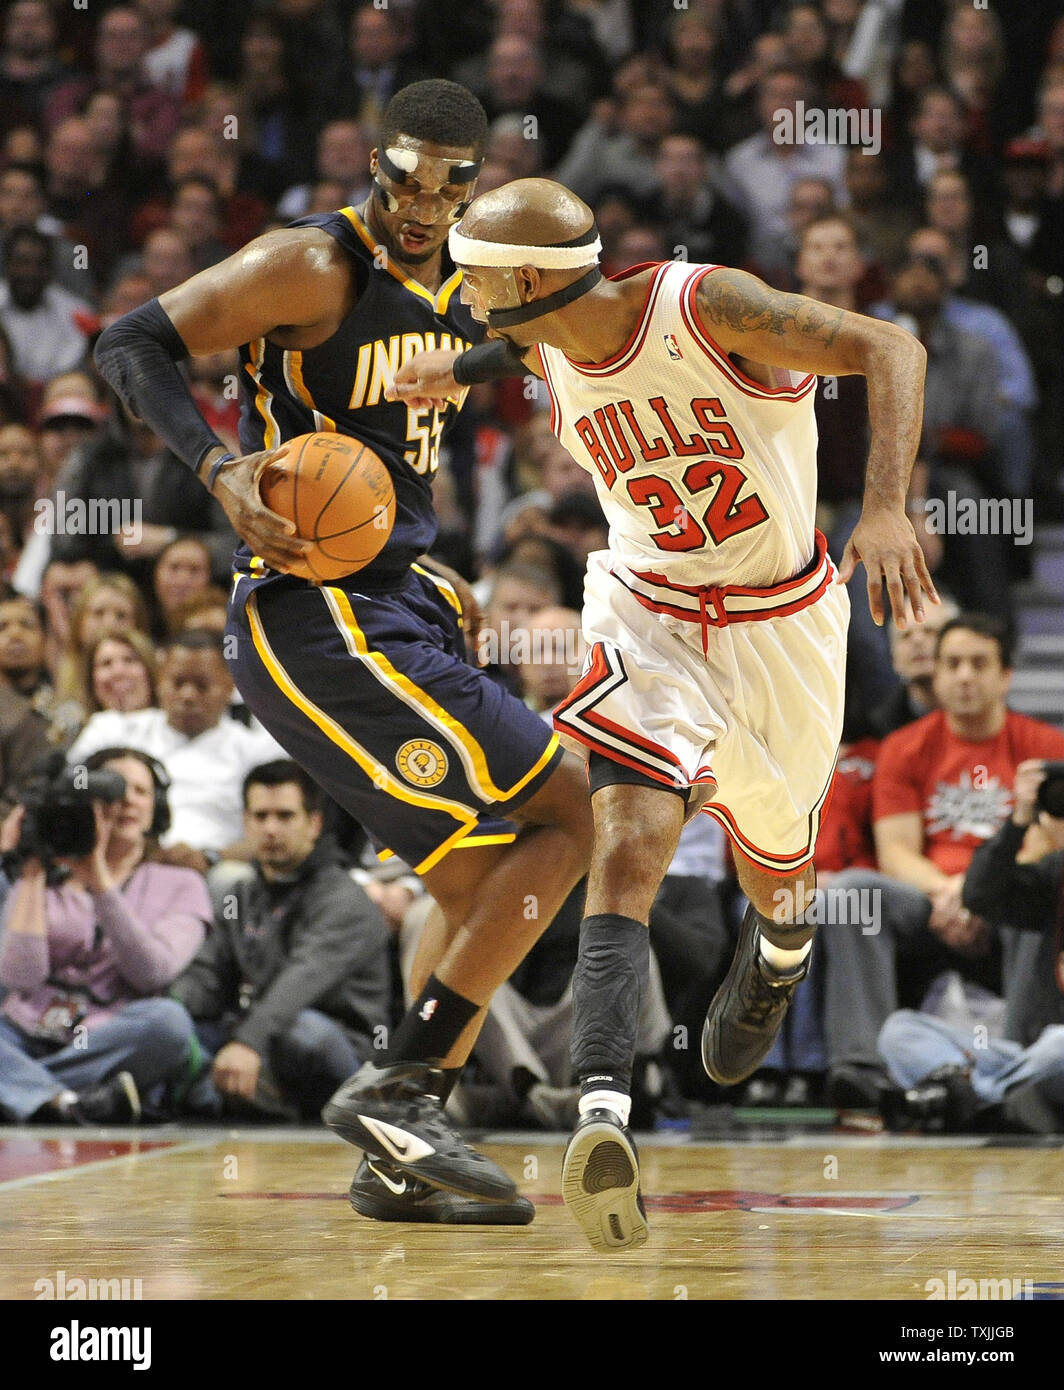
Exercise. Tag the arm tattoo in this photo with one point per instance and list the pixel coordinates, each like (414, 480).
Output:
(741, 302)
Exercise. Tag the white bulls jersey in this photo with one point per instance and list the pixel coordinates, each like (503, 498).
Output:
(705, 477)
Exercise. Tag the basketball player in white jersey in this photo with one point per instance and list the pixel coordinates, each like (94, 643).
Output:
(715, 621)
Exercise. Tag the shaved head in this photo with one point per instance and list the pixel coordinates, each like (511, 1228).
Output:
(524, 214)
(528, 212)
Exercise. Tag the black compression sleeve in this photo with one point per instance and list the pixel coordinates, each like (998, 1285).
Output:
(138, 356)
(490, 361)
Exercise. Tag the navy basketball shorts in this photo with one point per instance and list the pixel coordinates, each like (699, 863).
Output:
(370, 692)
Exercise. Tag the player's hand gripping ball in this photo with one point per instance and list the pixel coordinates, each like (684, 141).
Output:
(339, 495)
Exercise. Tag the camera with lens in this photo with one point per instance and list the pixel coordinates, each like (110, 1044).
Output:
(1051, 790)
(59, 821)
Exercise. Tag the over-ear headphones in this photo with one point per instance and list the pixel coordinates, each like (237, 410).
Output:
(160, 822)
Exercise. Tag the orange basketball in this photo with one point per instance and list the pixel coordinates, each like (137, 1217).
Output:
(339, 495)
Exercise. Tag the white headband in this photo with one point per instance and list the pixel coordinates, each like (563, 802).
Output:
(469, 251)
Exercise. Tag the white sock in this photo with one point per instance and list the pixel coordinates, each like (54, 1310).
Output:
(783, 962)
(617, 1101)
(65, 1099)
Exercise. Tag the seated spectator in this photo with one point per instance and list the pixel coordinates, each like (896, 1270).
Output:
(23, 744)
(962, 426)
(974, 66)
(517, 591)
(694, 212)
(121, 673)
(206, 755)
(166, 260)
(1014, 881)
(942, 787)
(120, 50)
(508, 144)
(131, 473)
(13, 408)
(882, 224)
(206, 608)
(30, 65)
(23, 668)
(576, 520)
(765, 54)
(182, 569)
(83, 1032)
(912, 651)
(516, 82)
(692, 947)
(830, 269)
(21, 469)
(954, 1079)
(376, 64)
(105, 603)
(1018, 393)
(939, 144)
(176, 61)
(602, 156)
(198, 150)
(195, 215)
(763, 169)
(290, 992)
(23, 204)
(694, 83)
(992, 271)
(343, 158)
(47, 325)
(61, 584)
(89, 205)
(807, 36)
(554, 658)
(70, 417)
(212, 384)
(1033, 223)
(71, 413)
(811, 200)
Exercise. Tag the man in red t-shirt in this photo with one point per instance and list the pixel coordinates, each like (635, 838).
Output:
(943, 785)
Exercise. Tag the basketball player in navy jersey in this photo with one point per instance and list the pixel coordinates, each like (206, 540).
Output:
(364, 680)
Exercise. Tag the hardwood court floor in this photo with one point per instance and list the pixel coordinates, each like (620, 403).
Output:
(253, 1214)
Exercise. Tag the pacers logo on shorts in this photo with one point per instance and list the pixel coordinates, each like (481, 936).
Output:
(422, 763)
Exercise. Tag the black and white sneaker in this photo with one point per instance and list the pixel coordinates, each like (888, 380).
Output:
(394, 1112)
(747, 1011)
(600, 1183)
(386, 1192)
(114, 1102)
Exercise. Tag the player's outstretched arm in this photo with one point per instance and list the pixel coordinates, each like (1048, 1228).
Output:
(285, 282)
(749, 318)
(434, 378)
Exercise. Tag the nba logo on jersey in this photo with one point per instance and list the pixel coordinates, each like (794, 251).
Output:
(672, 347)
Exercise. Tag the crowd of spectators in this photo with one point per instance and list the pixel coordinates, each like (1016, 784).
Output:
(142, 142)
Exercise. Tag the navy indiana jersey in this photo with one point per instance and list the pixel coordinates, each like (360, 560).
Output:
(339, 385)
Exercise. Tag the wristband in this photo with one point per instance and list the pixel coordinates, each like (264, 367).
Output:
(216, 468)
(489, 361)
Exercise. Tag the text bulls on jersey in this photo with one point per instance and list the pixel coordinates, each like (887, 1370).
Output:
(616, 438)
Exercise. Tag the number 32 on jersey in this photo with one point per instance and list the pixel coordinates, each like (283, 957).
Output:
(614, 436)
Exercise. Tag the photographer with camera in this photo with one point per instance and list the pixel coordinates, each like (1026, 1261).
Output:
(95, 930)
(956, 1079)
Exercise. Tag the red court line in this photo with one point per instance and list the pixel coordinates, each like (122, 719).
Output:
(30, 1157)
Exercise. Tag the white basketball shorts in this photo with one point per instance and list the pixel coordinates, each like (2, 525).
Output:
(734, 692)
